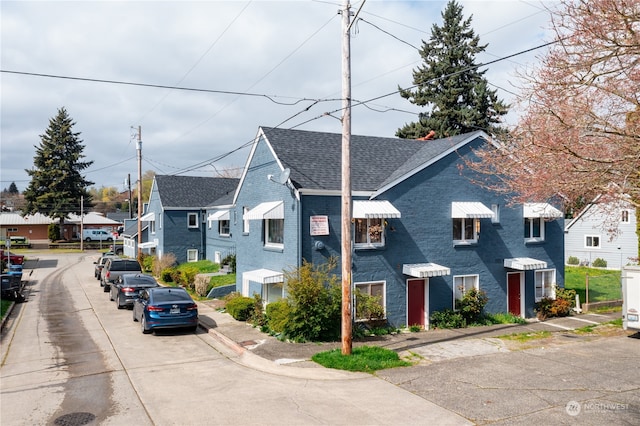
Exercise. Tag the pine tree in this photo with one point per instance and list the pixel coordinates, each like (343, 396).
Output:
(13, 189)
(57, 184)
(449, 83)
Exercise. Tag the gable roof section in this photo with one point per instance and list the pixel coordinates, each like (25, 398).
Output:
(185, 192)
(315, 158)
(377, 163)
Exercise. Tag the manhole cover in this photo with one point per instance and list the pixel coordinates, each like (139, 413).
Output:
(248, 343)
(75, 419)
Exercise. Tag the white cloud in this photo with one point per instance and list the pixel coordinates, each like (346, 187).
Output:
(286, 49)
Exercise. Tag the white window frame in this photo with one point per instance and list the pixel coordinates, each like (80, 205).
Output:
(545, 280)
(221, 228)
(370, 223)
(475, 223)
(365, 287)
(152, 226)
(195, 216)
(531, 237)
(462, 284)
(592, 241)
(192, 255)
(267, 226)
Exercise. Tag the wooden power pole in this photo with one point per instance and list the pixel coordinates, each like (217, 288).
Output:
(139, 155)
(346, 182)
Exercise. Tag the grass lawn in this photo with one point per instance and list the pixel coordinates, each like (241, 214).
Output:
(367, 359)
(5, 306)
(604, 285)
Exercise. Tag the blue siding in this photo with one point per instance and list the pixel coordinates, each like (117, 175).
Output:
(214, 242)
(424, 234)
(257, 188)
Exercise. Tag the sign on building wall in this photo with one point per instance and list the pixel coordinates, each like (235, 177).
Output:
(319, 225)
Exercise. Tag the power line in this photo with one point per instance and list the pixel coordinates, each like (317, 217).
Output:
(161, 86)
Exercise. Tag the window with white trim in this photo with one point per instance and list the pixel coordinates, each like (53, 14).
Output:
(224, 228)
(152, 226)
(545, 284)
(592, 241)
(495, 208)
(368, 232)
(533, 229)
(274, 233)
(374, 289)
(192, 255)
(192, 220)
(462, 284)
(465, 230)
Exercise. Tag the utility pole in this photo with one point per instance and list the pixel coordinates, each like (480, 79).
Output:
(82, 223)
(139, 155)
(346, 181)
(129, 186)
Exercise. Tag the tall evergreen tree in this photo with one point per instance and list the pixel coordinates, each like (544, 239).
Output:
(449, 83)
(13, 189)
(57, 184)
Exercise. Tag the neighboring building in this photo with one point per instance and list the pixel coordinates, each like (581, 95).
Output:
(177, 211)
(36, 226)
(33, 227)
(604, 231)
(422, 231)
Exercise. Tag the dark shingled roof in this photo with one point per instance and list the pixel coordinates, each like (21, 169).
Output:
(194, 191)
(315, 158)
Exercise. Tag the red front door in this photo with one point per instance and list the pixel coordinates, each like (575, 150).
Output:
(513, 293)
(415, 304)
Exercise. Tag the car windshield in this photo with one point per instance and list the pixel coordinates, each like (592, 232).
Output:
(170, 296)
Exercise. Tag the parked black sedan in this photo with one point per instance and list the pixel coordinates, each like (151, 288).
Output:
(128, 286)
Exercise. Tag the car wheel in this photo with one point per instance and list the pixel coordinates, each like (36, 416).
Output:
(106, 288)
(88, 239)
(193, 329)
(143, 325)
(135, 319)
(118, 305)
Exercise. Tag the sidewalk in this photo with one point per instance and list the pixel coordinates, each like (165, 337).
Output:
(432, 345)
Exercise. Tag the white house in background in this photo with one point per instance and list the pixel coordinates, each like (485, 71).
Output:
(588, 235)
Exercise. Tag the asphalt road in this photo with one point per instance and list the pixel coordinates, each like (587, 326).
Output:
(69, 357)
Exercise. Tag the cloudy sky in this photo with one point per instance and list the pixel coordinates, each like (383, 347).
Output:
(115, 67)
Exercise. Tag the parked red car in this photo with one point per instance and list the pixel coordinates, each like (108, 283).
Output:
(15, 259)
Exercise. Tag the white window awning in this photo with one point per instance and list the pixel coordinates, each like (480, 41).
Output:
(149, 217)
(268, 210)
(148, 244)
(425, 270)
(376, 209)
(544, 210)
(219, 215)
(524, 263)
(263, 276)
(470, 210)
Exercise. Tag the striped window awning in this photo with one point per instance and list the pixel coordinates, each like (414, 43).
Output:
(219, 215)
(374, 209)
(470, 210)
(543, 210)
(425, 270)
(263, 276)
(524, 263)
(268, 210)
